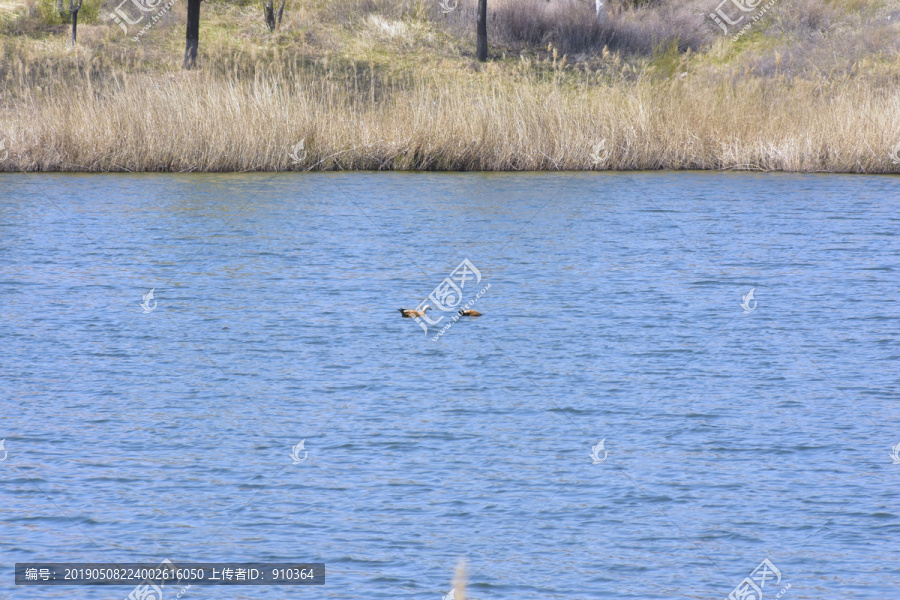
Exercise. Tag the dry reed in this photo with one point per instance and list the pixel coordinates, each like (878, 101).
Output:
(204, 122)
(122, 108)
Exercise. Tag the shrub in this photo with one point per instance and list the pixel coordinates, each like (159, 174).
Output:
(49, 12)
(572, 27)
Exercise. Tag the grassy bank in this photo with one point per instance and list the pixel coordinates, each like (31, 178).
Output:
(395, 86)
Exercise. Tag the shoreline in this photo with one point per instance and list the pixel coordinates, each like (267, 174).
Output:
(497, 121)
(446, 171)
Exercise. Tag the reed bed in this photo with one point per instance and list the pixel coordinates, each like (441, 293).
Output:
(110, 106)
(205, 122)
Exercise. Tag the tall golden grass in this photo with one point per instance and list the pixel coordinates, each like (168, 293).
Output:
(494, 120)
(118, 106)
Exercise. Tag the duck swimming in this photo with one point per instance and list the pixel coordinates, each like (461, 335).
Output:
(411, 313)
(470, 313)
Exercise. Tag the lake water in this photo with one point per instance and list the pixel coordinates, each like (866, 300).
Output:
(614, 312)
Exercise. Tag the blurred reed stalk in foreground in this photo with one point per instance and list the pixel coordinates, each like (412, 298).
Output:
(459, 580)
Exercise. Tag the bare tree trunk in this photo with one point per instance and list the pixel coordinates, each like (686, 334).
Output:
(481, 51)
(280, 12)
(73, 9)
(269, 11)
(600, 8)
(192, 38)
(273, 19)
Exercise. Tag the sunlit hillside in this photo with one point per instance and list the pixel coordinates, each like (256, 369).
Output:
(363, 84)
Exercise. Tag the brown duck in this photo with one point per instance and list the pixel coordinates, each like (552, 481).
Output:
(411, 313)
(470, 313)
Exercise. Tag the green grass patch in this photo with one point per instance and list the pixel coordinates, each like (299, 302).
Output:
(52, 12)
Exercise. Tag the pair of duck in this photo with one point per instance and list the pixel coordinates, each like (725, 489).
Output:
(410, 313)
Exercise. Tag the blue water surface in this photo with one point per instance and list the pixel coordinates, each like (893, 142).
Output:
(614, 313)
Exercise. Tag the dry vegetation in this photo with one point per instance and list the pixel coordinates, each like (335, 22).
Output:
(392, 84)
